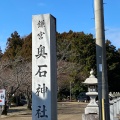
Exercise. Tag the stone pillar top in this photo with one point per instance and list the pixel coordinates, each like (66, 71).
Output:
(91, 80)
(92, 73)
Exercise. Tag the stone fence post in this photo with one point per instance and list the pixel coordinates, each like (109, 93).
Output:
(111, 110)
(114, 106)
(119, 104)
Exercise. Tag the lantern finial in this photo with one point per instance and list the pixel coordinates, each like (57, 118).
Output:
(91, 73)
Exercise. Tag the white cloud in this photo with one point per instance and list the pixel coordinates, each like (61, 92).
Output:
(2, 45)
(2, 42)
(41, 4)
(113, 34)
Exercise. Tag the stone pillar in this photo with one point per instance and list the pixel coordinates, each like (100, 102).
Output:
(111, 110)
(92, 107)
(114, 107)
(117, 105)
(44, 68)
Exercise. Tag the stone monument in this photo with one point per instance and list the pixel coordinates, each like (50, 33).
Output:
(44, 82)
(91, 111)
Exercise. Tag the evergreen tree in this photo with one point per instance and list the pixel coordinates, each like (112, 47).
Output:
(113, 66)
(0, 53)
(26, 51)
(14, 46)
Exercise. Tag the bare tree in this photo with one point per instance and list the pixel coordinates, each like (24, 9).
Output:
(15, 78)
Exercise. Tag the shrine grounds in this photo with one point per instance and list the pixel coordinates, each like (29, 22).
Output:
(66, 110)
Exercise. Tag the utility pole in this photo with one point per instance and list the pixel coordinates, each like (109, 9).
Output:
(104, 112)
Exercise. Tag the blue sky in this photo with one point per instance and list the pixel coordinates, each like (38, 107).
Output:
(76, 15)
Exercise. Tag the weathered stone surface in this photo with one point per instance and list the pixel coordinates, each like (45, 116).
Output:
(91, 110)
(90, 117)
(44, 72)
(92, 107)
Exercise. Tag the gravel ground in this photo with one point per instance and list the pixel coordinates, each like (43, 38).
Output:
(66, 110)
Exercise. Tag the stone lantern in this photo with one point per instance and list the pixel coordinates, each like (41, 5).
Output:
(92, 82)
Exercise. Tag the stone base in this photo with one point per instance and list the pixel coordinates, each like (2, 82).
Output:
(91, 110)
(116, 118)
(90, 117)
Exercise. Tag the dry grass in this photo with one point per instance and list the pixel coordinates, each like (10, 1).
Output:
(66, 110)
